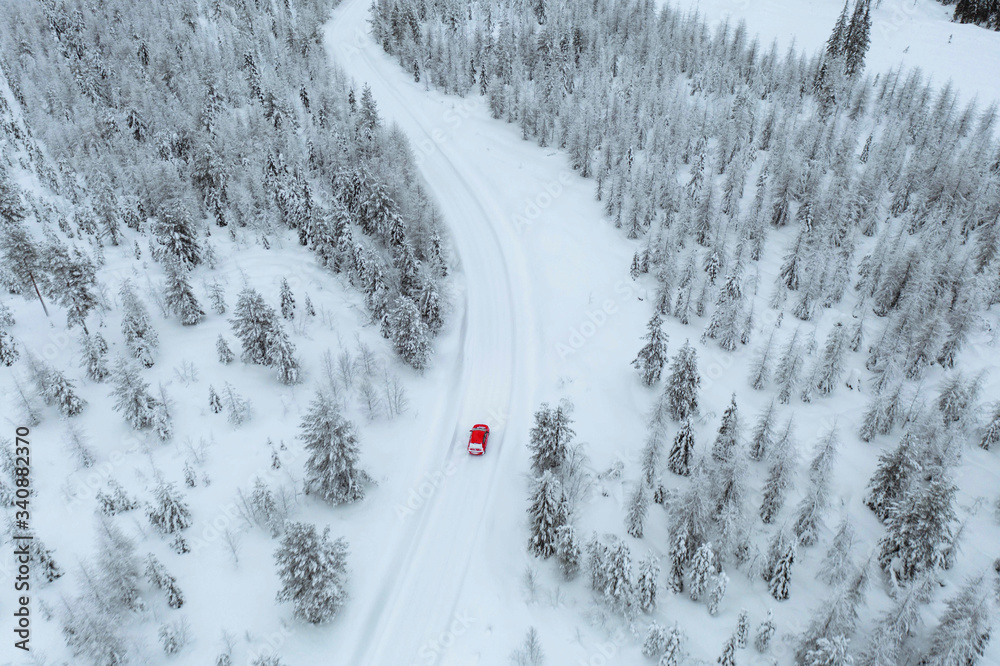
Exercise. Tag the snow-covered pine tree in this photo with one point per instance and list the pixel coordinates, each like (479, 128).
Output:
(253, 321)
(957, 398)
(763, 434)
(896, 469)
(857, 38)
(158, 577)
(991, 434)
(217, 296)
(679, 460)
(831, 366)
(225, 353)
(175, 233)
(308, 306)
(672, 649)
(287, 300)
(548, 512)
(919, 527)
(180, 298)
(743, 629)
(964, 631)
(131, 395)
(760, 370)
(168, 513)
(409, 333)
(718, 593)
(238, 406)
(729, 433)
(95, 350)
(779, 475)
(835, 617)
(898, 623)
(835, 43)
(838, 562)
(8, 348)
(833, 651)
(281, 354)
(882, 412)
(57, 390)
(568, 551)
(810, 513)
(653, 355)
(140, 336)
(702, 569)
(655, 641)
(313, 572)
(680, 395)
(637, 509)
(787, 374)
(331, 470)
(765, 630)
(651, 454)
(648, 583)
(619, 589)
(727, 317)
(728, 656)
(73, 282)
(550, 437)
(780, 576)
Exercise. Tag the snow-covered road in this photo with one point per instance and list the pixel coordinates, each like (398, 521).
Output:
(425, 563)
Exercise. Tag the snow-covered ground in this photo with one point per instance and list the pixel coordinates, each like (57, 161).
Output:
(908, 33)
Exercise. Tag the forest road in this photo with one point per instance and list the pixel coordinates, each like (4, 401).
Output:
(426, 563)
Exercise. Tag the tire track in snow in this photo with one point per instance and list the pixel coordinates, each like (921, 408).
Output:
(422, 582)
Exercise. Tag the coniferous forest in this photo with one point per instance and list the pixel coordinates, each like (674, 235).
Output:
(248, 317)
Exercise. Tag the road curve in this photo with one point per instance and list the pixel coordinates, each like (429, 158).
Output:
(426, 562)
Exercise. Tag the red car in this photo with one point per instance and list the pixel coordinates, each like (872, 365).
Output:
(478, 436)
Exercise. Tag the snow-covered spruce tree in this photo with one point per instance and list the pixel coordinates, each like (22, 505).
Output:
(743, 629)
(648, 583)
(281, 354)
(287, 300)
(729, 493)
(718, 593)
(57, 390)
(833, 651)
(175, 232)
(43, 559)
(672, 649)
(217, 297)
(548, 512)
(95, 350)
(619, 588)
(253, 323)
(897, 624)
(837, 616)
(689, 525)
(831, 366)
(653, 355)
(810, 513)
(158, 576)
(637, 509)
(991, 434)
(331, 471)
(168, 513)
(729, 433)
(780, 576)
(964, 631)
(225, 353)
(787, 374)
(957, 398)
(655, 641)
(857, 38)
(763, 434)
(919, 527)
(702, 569)
(313, 572)
(896, 469)
(116, 501)
(780, 472)
(882, 413)
(651, 454)
(214, 403)
(728, 656)
(73, 282)
(550, 437)
(8, 348)
(239, 407)
(568, 551)
(838, 562)
(179, 297)
(728, 316)
(765, 630)
(409, 333)
(680, 395)
(131, 395)
(679, 460)
(116, 582)
(140, 336)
